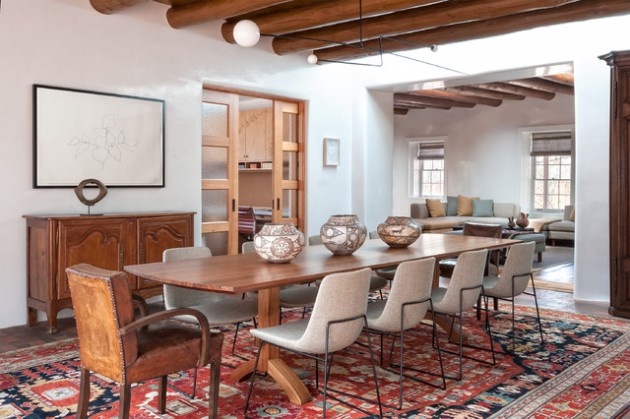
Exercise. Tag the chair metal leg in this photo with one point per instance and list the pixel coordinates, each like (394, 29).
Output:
(84, 394)
(251, 384)
(235, 336)
(194, 389)
(162, 394)
(542, 339)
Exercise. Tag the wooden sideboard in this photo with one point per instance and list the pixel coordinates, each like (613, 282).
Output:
(109, 241)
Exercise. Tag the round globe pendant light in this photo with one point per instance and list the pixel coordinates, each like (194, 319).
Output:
(246, 33)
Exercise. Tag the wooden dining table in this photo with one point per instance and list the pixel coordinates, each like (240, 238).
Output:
(236, 274)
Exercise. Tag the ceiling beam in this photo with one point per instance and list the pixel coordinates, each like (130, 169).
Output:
(313, 15)
(545, 85)
(425, 101)
(415, 105)
(108, 7)
(564, 78)
(448, 13)
(205, 10)
(518, 90)
(492, 94)
(441, 94)
(584, 10)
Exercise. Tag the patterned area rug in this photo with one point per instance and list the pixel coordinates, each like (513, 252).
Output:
(581, 371)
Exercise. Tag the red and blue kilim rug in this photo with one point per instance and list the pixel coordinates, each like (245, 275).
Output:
(581, 371)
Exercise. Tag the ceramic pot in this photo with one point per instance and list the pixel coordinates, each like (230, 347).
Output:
(522, 221)
(399, 231)
(511, 222)
(278, 242)
(343, 234)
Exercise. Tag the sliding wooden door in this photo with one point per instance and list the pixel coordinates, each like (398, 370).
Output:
(219, 183)
(288, 163)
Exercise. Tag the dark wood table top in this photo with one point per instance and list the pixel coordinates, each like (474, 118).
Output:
(248, 272)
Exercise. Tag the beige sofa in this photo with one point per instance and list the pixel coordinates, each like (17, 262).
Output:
(562, 230)
(420, 213)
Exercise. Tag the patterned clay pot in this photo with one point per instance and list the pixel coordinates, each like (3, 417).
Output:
(522, 221)
(343, 234)
(399, 231)
(278, 242)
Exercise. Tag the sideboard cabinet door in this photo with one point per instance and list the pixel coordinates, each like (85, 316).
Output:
(158, 234)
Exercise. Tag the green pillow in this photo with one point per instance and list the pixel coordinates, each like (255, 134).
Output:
(482, 208)
(451, 205)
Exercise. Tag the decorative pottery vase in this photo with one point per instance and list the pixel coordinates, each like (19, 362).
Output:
(522, 221)
(511, 222)
(278, 242)
(399, 231)
(343, 234)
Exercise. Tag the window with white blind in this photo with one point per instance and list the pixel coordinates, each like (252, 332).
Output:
(552, 168)
(426, 169)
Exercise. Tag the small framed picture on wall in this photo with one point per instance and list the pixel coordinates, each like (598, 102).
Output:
(331, 152)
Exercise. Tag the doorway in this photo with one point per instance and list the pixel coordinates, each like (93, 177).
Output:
(253, 159)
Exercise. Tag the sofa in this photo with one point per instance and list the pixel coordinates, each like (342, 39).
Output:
(563, 229)
(499, 215)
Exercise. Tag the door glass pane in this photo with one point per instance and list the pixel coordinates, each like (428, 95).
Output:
(213, 206)
(289, 127)
(289, 165)
(214, 119)
(214, 163)
(289, 203)
(216, 242)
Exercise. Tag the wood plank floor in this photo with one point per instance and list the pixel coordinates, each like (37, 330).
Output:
(22, 337)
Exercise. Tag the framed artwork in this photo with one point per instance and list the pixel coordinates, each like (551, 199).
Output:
(81, 134)
(331, 152)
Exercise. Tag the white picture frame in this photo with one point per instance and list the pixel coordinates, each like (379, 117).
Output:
(331, 152)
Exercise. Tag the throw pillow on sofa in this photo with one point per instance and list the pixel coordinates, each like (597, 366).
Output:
(436, 208)
(464, 205)
(483, 208)
(451, 205)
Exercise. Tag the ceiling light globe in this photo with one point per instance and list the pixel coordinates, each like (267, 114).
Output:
(246, 33)
(312, 59)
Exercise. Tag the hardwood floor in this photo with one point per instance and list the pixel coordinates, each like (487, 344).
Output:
(18, 337)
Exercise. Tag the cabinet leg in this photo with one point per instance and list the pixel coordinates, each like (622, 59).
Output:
(31, 317)
(52, 323)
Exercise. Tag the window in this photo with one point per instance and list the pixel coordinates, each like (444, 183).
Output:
(426, 160)
(552, 170)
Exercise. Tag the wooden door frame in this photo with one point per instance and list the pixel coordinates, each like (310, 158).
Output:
(302, 112)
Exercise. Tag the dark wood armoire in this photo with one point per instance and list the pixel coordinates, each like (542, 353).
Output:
(619, 62)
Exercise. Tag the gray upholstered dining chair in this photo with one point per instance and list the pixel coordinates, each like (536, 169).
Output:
(377, 282)
(219, 309)
(406, 306)
(337, 320)
(462, 293)
(513, 281)
(291, 296)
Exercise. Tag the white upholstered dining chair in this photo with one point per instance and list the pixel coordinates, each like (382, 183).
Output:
(463, 291)
(337, 320)
(219, 309)
(513, 281)
(406, 306)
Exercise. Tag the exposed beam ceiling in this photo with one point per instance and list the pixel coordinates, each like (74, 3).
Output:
(485, 94)
(335, 31)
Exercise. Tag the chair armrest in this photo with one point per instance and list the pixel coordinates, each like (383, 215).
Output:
(168, 314)
(140, 304)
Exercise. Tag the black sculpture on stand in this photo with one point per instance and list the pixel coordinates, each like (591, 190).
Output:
(102, 191)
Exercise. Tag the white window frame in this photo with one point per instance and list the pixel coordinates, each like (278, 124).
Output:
(528, 166)
(414, 171)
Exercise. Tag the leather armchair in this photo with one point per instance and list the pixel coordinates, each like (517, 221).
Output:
(113, 344)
